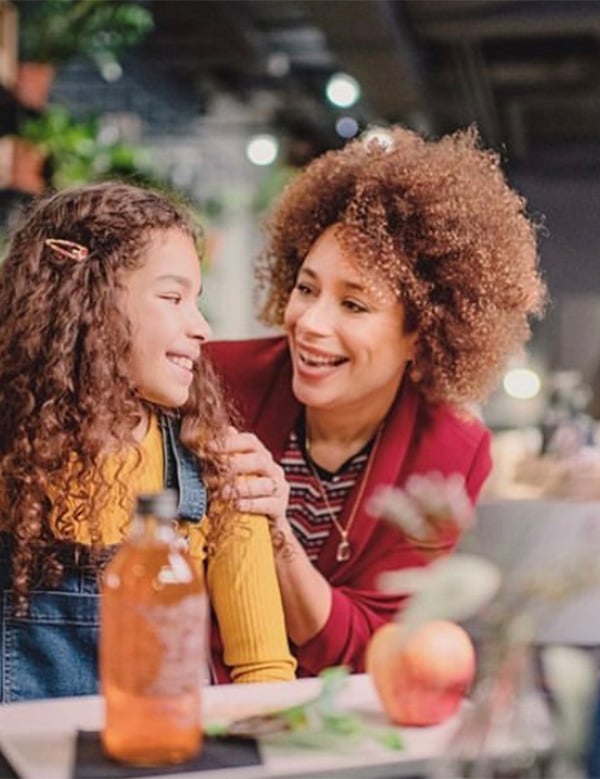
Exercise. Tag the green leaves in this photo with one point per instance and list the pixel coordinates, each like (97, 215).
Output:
(317, 724)
(55, 30)
(77, 152)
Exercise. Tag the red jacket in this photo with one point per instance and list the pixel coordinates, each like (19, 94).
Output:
(417, 438)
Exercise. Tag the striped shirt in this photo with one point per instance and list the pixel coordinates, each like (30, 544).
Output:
(308, 512)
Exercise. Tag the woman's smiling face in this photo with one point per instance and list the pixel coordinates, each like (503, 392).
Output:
(346, 336)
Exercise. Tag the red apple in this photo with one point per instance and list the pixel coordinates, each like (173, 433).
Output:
(421, 675)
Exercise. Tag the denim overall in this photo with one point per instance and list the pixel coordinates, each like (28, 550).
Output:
(52, 651)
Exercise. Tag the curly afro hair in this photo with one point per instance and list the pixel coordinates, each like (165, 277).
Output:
(439, 223)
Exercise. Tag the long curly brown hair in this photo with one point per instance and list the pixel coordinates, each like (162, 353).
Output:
(439, 223)
(65, 388)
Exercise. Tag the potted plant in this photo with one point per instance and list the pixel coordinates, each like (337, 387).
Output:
(51, 32)
(26, 168)
(76, 153)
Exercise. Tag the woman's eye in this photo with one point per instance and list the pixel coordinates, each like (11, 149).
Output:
(357, 308)
(303, 289)
(175, 299)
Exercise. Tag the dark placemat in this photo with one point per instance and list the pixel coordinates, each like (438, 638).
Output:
(227, 752)
(6, 770)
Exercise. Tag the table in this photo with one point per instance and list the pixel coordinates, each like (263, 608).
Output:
(38, 736)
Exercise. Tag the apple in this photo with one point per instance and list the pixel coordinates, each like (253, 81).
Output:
(421, 674)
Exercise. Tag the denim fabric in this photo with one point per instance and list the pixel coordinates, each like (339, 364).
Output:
(52, 651)
(181, 472)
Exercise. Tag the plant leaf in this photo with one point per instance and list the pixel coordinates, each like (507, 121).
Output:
(319, 723)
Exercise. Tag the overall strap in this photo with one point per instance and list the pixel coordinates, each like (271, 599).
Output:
(182, 471)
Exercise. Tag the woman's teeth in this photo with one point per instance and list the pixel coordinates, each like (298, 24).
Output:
(314, 361)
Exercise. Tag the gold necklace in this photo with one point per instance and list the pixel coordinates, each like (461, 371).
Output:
(344, 548)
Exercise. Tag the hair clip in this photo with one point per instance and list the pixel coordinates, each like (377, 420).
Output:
(68, 249)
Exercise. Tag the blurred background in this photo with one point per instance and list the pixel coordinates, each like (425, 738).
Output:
(226, 100)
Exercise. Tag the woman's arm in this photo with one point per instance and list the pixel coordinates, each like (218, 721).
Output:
(306, 594)
(332, 625)
(351, 612)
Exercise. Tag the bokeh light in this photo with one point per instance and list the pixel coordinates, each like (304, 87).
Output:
(342, 90)
(262, 149)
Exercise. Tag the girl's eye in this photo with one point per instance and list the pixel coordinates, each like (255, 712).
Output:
(175, 299)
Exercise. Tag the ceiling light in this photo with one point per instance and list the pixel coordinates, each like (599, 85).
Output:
(111, 72)
(278, 64)
(342, 90)
(109, 67)
(521, 383)
(262, 149)
(346, 127)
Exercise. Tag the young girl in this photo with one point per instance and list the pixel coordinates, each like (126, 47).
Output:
(104, 395)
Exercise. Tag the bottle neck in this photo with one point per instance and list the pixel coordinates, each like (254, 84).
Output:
(148, 527)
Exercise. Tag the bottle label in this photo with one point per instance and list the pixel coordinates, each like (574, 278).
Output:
(180, 633)
(154, 649)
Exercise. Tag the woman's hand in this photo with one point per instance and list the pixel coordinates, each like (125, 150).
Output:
(261, 483)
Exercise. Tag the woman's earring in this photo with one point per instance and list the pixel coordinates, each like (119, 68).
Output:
(414, 373)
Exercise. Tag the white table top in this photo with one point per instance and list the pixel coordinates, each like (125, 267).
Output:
(37, 737)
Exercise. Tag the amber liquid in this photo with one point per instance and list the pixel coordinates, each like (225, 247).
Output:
(153, 632)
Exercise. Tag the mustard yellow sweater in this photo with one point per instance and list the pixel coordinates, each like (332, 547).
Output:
(240, 577)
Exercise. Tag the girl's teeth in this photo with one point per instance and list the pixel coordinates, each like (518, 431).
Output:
(183, 362)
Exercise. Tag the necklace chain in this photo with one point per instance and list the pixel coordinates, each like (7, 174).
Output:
(344, 548)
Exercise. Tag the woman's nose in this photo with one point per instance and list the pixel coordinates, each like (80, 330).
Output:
(316, 317)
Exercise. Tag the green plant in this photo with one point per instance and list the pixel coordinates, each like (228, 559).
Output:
(77, 153)
(54, 31)
(318, 723)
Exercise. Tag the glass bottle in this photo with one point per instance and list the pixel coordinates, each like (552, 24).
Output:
(152, 641)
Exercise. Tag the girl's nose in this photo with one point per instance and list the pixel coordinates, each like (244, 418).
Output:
(201, 329)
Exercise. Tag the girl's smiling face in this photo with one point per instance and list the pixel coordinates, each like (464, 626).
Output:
(161, 303)
(346, 337)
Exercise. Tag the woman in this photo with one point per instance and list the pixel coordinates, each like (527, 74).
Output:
(403, 272)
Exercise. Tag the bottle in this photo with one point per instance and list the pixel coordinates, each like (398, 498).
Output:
(153, 627)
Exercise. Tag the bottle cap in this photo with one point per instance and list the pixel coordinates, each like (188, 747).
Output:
(158, 504)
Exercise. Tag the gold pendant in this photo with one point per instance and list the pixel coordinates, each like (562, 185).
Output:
(344, 551)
